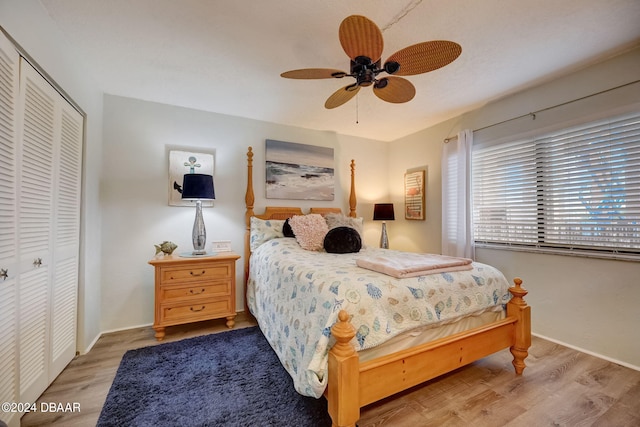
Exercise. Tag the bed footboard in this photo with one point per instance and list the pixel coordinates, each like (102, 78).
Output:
(343, 395)
(353, 385)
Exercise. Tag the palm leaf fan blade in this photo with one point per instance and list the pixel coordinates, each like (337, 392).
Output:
(424, 57)
(341, 96)
(395, 90)
(313, 73)
(359, 36)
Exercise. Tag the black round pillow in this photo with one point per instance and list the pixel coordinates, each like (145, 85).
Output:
(342, 240)
(287, 230)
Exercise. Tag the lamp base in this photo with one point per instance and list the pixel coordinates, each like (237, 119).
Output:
(199, 233)
(384, 240)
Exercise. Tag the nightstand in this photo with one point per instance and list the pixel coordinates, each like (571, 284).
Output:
(194, 289)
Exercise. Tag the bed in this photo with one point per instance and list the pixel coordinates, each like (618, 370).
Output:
(359, 344)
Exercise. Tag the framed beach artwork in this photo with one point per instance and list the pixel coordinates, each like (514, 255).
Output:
(414, 194)
(182, 162)
(298, 171)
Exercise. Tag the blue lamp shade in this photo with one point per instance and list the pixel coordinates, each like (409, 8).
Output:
(198, 186)
(383, 212)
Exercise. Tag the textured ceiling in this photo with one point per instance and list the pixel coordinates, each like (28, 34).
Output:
(226, 56)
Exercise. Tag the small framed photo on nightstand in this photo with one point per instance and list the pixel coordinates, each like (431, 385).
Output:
(221, 246)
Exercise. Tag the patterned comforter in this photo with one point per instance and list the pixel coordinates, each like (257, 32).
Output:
(296, 295)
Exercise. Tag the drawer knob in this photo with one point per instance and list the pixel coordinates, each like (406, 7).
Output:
(191, 291)
(196, 309)
(196, 274)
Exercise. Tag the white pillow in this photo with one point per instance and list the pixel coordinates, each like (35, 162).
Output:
(340, 220)
(263, 230)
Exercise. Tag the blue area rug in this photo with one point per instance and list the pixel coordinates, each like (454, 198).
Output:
(227, 379)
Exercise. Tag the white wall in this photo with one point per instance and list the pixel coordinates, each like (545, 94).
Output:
(28, 24)
(134, 191)
(420, 150)
(587, 303)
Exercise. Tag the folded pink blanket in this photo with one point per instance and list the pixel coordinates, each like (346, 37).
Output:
(408, 264)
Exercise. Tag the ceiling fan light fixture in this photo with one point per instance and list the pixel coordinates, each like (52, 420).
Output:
(382, 83)
(391, 67)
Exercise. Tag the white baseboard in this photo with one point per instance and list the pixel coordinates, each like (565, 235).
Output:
(90, 346)
(591, 353)
(126, 328)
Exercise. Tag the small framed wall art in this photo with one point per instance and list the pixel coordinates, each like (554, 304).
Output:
(414, 194)
(181, 162)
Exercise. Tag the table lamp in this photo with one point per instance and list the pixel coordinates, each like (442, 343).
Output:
(383, 212)
(198, 187)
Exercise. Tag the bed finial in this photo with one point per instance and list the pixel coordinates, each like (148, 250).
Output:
(518, 293)
(343, 332)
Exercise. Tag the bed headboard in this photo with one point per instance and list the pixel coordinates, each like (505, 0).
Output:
(277, 212)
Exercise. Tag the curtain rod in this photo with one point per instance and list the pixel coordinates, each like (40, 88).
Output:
(533, 114)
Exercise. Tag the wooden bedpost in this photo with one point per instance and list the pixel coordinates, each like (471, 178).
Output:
(343, 391)
(249, 199)
(352, 193)
(518, 308)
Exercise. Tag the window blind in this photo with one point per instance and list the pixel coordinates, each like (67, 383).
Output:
(575, 189)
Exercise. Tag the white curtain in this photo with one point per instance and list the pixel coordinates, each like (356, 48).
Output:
(457, 231)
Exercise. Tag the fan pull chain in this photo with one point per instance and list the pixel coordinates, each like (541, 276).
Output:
(357, 103)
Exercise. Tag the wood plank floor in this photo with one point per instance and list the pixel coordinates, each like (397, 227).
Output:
(560, 387)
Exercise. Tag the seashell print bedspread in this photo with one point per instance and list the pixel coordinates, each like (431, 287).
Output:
(296, 295)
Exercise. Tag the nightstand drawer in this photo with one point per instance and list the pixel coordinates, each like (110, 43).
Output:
(204, 309)
(196, 273)
(200, 290)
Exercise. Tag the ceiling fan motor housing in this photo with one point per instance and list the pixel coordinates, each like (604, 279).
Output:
(364, 70)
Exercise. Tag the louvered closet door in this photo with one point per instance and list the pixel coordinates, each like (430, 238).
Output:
(66, 239)
(35, 207)
(8, 266)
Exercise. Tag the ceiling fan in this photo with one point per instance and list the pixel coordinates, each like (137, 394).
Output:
(362, 41)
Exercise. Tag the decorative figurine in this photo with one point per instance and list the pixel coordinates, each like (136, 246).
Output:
(166, 248)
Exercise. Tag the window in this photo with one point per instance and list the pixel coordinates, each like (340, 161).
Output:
(577, 189)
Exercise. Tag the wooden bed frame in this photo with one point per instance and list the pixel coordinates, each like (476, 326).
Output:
(353, 385)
